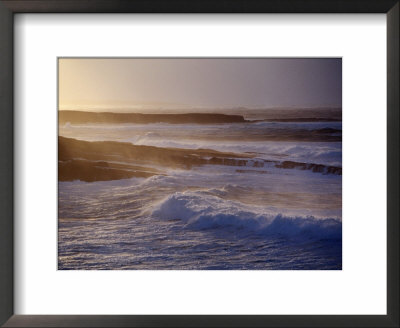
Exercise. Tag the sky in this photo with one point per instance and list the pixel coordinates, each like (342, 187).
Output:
(199, 83)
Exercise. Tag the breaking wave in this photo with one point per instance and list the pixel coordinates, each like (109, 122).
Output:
(199, 210)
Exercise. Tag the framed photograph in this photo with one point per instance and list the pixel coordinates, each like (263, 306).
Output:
(199, 164)
(235, 157)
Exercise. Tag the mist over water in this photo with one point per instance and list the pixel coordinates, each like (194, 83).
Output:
(273, 215)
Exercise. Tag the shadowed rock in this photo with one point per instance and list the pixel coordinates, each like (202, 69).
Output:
(91, 171)
(111, 160)
(123, 151)
(310, 166)
(95, 161)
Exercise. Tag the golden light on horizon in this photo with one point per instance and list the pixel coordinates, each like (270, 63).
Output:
(147, 84)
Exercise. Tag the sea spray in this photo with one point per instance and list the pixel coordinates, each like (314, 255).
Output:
(199, 210)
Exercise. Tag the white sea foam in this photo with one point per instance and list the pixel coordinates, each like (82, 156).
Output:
(202, 211)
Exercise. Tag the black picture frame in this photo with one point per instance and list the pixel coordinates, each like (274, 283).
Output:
(10, 7)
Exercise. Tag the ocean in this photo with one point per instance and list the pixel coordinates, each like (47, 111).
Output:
(252, 195)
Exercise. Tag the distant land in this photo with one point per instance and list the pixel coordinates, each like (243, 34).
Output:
(76, 117)
(247, 116)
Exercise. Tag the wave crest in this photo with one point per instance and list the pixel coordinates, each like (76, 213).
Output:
(200, 210)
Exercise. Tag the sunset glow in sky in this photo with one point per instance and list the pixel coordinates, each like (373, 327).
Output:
(199, 83)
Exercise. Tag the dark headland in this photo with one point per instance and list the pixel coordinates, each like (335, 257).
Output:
(110, 160)
(80, 117)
